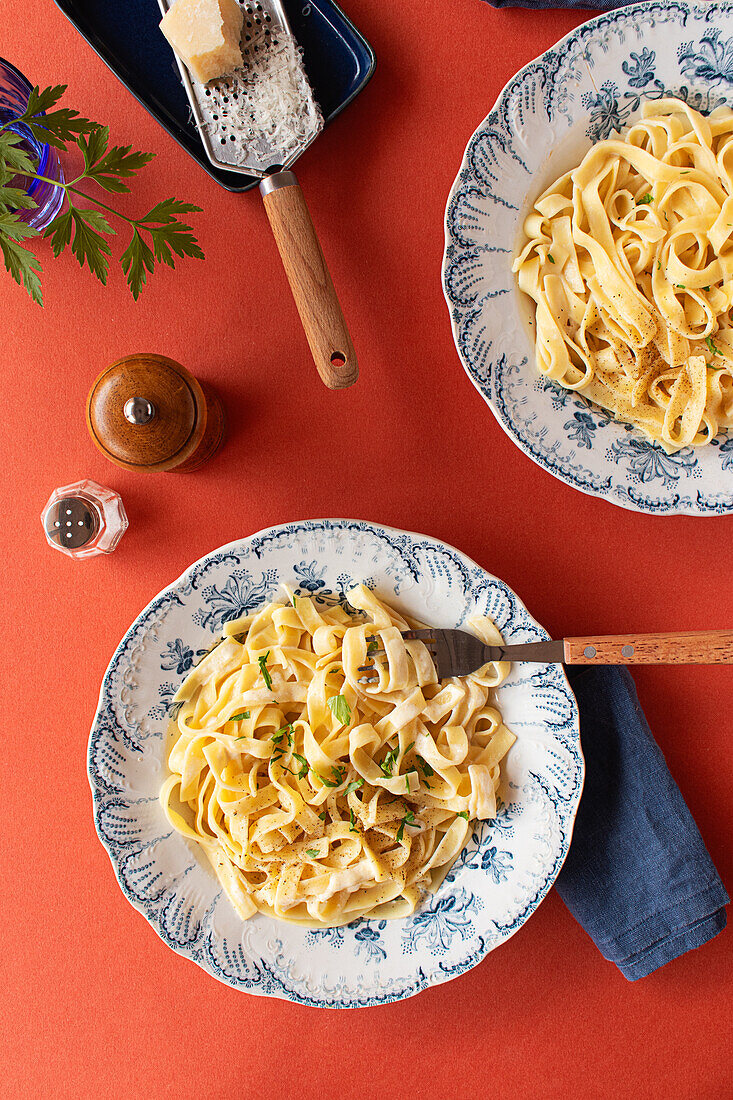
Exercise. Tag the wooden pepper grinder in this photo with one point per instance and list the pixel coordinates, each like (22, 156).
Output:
(147, 412)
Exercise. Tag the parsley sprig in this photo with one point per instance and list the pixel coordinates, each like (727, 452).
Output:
(160, 236)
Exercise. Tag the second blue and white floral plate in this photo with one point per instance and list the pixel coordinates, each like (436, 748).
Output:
(498, 880)
(579, 91)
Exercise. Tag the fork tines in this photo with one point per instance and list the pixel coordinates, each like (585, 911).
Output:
(426, 636)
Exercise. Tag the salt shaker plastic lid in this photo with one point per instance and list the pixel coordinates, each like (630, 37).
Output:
(84, 519)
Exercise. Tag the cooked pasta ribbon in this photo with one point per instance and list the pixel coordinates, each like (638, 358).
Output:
(319, 799)
(629, 259)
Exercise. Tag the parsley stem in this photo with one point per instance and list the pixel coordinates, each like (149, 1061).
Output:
(70, 187)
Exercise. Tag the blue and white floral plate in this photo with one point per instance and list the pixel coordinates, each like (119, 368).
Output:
(497, 882)
(578, 92)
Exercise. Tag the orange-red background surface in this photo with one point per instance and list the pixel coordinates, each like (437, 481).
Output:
(93, 1003)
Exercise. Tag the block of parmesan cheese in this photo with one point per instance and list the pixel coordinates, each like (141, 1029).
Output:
(205, 34)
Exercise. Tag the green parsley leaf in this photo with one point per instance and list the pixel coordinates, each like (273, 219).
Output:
(354, 785)
(107, 166)
(53, 127)
(406, 820)
(339, 774)
(137, 260)
(239, 717)
(549, 257)
(22, 264)
(424, 767)
(372, 646)
(387, 765)
(262, 662)
(304, 765)
(712, 347)
(312, 852)
(322, 816)
(659, 265)
(13, 157)
(645, 200)
(340, 709)
(352, 819)
(463, 814)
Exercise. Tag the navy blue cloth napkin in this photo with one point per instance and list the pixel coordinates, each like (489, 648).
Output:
(638, 876)
(603, 5)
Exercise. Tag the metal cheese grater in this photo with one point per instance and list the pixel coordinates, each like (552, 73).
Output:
(243, 130)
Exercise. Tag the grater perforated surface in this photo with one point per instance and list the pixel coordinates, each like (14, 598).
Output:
(264, 115)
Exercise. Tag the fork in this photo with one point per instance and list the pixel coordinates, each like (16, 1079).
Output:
(457, 653)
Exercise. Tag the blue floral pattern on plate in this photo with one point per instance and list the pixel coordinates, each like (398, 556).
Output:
(589, 84)
(498, 880)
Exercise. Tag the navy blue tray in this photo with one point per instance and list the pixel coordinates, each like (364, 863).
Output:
(338, 59)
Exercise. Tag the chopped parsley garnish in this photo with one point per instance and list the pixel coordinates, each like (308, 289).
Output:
(406, 820)
(706, 288)
(659, 265)
(407, 781)
(463, 814)
(304, 765)
(262, 662)
(410, 746)
(354, 785)
(339, 774)
(424, 767)
(294, 599)
(312, 852)
(352, 819)
(322, 816)
(645, 200)
(712, 347)
(340, 709)
(387, 765)
(549, 257)
(680, 286)
(373, 645)
(239, 717)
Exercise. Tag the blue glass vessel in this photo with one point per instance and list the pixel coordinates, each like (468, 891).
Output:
(14, 92)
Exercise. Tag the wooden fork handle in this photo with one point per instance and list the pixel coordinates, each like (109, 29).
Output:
(703, 647)
(310, 280)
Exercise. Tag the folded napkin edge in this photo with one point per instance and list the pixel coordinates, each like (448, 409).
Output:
(718, 900)
(672, 947)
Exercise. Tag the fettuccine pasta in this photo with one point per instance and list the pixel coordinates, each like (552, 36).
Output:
(319, 799)
(629, 259)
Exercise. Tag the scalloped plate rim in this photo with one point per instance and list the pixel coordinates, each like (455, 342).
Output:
(626, 503)
(290, 995)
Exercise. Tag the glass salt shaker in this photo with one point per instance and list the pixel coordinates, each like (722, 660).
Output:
(84, 519)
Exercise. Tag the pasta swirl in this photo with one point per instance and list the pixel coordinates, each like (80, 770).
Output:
(629, 259)
(319, 799)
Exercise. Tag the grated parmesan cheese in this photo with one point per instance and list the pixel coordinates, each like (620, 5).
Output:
(265, 111)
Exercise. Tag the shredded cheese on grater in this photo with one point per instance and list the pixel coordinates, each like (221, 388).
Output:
(266, 107)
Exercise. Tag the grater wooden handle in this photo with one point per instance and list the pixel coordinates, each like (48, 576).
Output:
(310, 280)
(705, 647)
